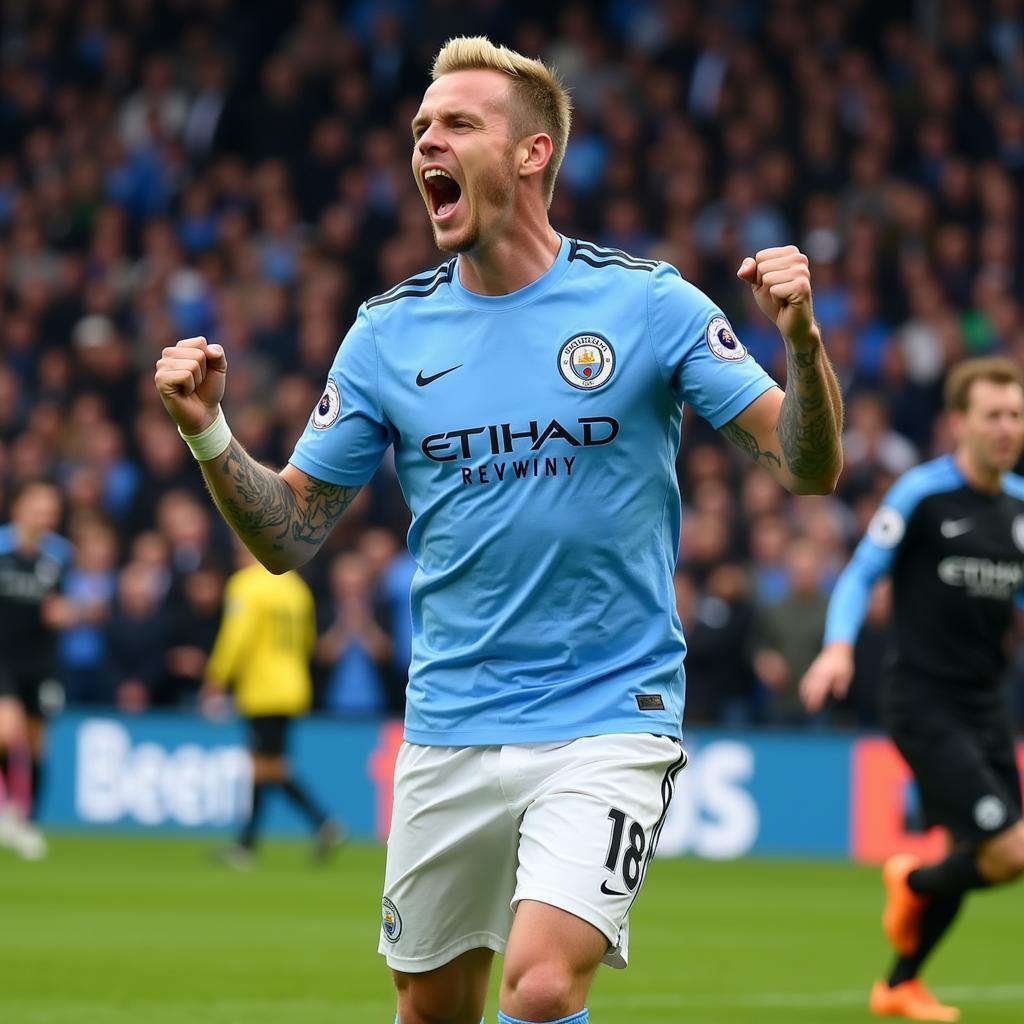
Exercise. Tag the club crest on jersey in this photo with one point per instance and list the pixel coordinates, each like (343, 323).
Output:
(586, 361)
(390, 920)
(1018, 532)
(328, 408)
(722, 342)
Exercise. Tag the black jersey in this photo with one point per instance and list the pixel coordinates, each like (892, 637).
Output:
(27, 644)
(956, 558)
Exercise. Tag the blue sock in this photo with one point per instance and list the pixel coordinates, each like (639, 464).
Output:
(583, 1017)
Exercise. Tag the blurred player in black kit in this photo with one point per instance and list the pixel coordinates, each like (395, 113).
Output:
(950, 533)
(33, 564)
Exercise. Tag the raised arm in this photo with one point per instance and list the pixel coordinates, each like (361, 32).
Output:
(282, 518)
(796, 435)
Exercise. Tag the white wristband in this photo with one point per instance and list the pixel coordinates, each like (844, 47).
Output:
(212, 441)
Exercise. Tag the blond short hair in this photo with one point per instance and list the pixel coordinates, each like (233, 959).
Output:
(997, 369)
(540, 103)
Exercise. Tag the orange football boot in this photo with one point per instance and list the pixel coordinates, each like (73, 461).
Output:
(901, 918)
(911, 1000)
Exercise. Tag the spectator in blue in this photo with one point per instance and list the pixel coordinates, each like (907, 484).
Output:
(393, 568)
(354, 646)
(137, 636)
(89, 589)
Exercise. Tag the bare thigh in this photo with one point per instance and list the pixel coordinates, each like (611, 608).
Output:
(1001, 859)
(550, 962)
(13, 723)
(453, 994)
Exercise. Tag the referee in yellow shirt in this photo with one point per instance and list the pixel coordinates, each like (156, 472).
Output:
(263, 648)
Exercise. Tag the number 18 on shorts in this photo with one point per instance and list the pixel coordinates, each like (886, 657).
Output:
(476, 830)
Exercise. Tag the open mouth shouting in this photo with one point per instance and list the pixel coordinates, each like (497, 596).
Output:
(444, 193)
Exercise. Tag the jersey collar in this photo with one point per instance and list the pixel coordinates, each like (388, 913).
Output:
(521, 296)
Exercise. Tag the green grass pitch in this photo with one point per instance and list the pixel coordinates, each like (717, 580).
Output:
(115, 930)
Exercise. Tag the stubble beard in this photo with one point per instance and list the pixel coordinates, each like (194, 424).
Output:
(988, 459)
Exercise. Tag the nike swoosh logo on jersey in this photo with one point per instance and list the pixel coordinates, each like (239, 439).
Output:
(951, 528)
(422, 381)
(610, 892)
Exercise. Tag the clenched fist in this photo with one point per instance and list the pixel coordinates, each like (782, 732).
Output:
(781, 282)
(190, 381)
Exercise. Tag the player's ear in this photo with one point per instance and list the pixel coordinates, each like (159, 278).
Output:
(534, 153)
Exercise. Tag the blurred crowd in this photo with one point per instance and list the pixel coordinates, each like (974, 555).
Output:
(171, 168)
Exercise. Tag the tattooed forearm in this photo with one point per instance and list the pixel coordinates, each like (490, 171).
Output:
(319, 513)
(261, 501)
(746, 442)
(810, 420)
(267, 513)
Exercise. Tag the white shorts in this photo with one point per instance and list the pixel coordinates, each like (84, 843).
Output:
(477, 829)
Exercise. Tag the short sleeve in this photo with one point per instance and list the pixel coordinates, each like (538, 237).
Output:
(705, 364)
(348, 433)
(873, 557)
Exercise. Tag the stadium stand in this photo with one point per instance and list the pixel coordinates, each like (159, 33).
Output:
(241, 171)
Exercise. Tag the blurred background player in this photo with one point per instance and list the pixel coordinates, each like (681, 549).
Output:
(951, 533)
(263, 650)
(34, 562)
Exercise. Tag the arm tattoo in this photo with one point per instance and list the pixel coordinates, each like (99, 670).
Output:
(746, 442)
(808, 428)
(323, 507)
(265, 507)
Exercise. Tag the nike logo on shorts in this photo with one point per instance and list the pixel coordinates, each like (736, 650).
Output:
(951, 528)
(610, 892)
(422, 381)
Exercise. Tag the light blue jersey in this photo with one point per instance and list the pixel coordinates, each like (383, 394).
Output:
(535, 437)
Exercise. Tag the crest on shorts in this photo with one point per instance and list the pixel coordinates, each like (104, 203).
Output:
(390, 920)
(329, 407)
(722, 342)
(586, 361)
(989, 813)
